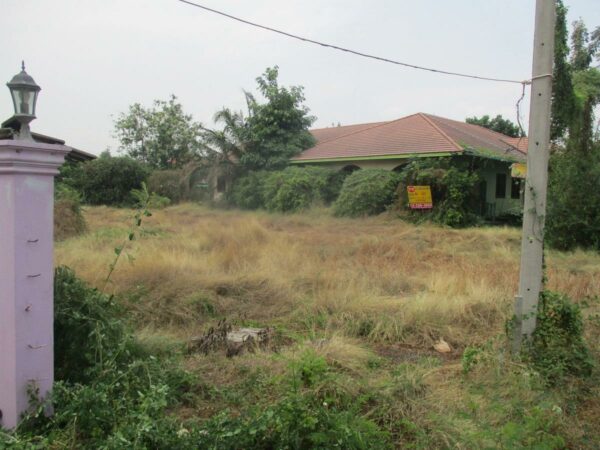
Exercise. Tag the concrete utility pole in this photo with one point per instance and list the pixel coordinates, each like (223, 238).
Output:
(532, 243)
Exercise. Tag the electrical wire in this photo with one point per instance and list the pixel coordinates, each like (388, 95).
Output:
(354, 52)
(518, 105)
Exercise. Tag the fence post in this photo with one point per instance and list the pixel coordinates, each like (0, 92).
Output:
(27, 170)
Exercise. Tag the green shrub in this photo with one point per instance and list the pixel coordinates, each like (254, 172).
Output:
(68, 216)
(84, 315)
(167, 183)
(573, 215)
(557, 347)
(308, 416)
(288, 190)
(158, 202)
(309, 369)
(366, 192)
(293, 189)
(153, 201)
(298, 421)
(110, 392)
(453, 190)
(107, 180)
(247, 191)
(333, 181)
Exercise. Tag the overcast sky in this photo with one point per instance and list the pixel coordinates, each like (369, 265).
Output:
(93, 58)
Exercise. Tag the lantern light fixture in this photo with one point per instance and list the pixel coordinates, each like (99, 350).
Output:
(24, 92)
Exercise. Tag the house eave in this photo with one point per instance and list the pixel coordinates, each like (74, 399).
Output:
(482, 153)
(375, 157)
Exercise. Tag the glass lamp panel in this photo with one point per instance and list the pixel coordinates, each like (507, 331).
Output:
(34, 102)
(24, 101)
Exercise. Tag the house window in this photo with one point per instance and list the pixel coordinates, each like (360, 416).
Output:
(221, 184)
(515, 188)
(500, 185)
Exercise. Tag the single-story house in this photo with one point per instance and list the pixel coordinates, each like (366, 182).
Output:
(390, 145)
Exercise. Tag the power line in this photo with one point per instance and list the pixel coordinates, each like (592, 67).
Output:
(347, 50)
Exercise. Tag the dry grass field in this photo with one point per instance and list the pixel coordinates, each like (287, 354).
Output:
(372, 296)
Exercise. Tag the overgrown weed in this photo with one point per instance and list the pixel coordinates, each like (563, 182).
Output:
(343, 288)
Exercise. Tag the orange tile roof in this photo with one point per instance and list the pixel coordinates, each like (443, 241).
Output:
(416, 134)
(521, 143)
(326, 134)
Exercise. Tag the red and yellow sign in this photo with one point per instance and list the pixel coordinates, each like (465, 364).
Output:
(518, 170)
(419, 197)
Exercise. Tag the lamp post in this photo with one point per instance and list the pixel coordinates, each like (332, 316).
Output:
(24, 92)
(27, 170)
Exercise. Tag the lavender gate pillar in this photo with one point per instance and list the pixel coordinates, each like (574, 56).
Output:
(27, 170)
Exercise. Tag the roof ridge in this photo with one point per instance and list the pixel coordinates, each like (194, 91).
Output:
(501, 138)
(351, 125)
(439, 130)
(375, 125)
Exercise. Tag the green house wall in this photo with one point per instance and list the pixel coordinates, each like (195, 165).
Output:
(486, 167)
(504, 205)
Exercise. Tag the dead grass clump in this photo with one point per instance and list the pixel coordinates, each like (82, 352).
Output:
(343, 353)
(376, 279)
(68, 219)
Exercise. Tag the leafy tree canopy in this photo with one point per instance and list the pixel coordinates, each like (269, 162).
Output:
(162, 136)
(498, 123)
(562, 83)
(575, 84)
(573, 190)
(271, 132)
(584, 47)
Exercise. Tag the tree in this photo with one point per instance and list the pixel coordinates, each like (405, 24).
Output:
(583, 46)
(498, 123)
(271, 133)
(586, 85)
(573, 188)
(562, 83)
(576, 85)
(227, 144)
(574, 199)
(163, 136)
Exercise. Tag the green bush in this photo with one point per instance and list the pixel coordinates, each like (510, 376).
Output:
(366, 192)
(298, 421)
(573, 215)
(309, 369)
(167, 183)
(557, 347)
(308, 416)
(453, 190)
(247, 191)
(288, 190)
(84, 315)
(334, 179)
(107, 180)
(143, 199)
(111, 393)
(293, 189)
